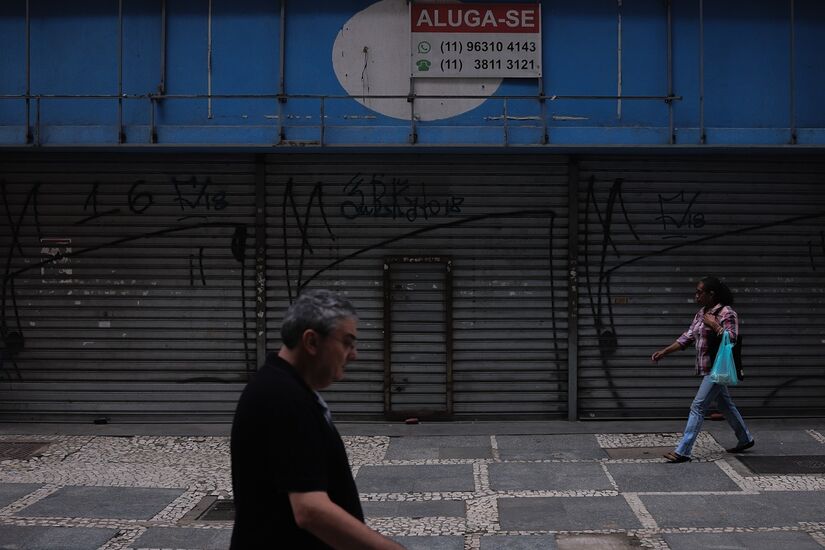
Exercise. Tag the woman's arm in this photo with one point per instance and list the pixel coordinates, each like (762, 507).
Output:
(681, 342)
(675, 346)
(726, 321)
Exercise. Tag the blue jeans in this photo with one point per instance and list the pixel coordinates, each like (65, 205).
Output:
(708, 393)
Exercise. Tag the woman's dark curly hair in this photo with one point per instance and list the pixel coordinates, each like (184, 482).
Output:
(719, 289)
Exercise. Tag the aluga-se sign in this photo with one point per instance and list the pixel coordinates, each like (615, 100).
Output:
(458, 16)
(475, 40)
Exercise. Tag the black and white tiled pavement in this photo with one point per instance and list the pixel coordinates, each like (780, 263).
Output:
(436, 492)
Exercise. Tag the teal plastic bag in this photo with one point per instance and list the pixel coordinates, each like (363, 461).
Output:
(724, 368)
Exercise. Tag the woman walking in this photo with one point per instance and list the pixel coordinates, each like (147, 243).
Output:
(714, 317)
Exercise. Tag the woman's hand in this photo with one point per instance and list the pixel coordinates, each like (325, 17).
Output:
(711, 322)
(664, 351)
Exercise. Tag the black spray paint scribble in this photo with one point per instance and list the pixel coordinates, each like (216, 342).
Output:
(139, 201)
(724, 234)
(428, 229)
(290, 212)
(394, 198)
(599, 293)
(393, 209)
(288, 207)
(605, 328)
(12, 275)
(200, 268)
(191, 194)
(91, 200)
(238, 248)
(13, 340)
(677, 214)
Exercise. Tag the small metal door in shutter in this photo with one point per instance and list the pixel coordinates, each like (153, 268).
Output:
(502, 219)
(649, 229)
(128, 278)
(418, 336)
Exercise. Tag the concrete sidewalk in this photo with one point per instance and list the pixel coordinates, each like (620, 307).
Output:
(464, 485)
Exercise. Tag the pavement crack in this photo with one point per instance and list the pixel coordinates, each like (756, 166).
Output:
(80, 447)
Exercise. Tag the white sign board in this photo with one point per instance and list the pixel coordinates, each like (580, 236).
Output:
(475, 40)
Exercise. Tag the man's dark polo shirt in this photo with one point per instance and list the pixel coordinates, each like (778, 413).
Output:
(282, 443)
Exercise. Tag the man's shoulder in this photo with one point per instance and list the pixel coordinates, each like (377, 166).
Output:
(274, 385)
(275, 370)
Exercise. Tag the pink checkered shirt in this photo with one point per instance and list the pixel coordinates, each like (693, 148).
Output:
(699, 333)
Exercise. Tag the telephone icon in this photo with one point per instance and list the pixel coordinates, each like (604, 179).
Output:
(423, 64)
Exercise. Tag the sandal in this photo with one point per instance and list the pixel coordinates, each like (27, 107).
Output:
(675, 457)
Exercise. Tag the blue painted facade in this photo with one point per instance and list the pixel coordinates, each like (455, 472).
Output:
(743, 73)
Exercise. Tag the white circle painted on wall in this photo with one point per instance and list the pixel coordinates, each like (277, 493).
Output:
(371, 57)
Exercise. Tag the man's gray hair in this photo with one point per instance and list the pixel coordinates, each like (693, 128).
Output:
(319, 310)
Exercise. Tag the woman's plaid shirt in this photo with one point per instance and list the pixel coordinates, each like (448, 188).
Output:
(699, 333)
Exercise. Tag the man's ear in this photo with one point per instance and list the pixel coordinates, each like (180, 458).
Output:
(311, 340)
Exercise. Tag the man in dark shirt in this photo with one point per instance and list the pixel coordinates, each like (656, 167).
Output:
(292, 484)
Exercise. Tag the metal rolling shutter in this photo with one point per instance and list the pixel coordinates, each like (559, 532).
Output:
(501, 219)
(649, 229)
(417, 329)
(143, 319)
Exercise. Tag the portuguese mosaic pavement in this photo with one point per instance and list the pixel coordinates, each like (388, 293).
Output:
(459, 492)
